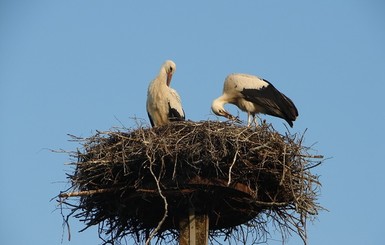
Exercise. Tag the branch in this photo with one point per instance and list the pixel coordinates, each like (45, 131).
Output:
(85, 193)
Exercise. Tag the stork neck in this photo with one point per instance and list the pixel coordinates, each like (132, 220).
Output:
(219, 102)
(162, 78)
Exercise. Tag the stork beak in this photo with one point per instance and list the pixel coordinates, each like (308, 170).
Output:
(231, 117)
(169, 76)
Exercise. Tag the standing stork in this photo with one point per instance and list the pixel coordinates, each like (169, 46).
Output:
(163, 103)
(254, 95)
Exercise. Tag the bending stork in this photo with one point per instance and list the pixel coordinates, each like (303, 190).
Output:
(163, 103)
(254, 95)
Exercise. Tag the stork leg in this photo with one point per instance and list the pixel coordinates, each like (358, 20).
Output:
(248, 119)
(255, 120)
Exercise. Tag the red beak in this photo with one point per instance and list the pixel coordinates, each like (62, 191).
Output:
(169, 76)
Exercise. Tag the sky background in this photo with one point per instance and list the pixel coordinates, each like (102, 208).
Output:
(74, 67)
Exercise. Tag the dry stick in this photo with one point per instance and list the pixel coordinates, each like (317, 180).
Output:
(284, 166)
(301, 232)
(85, 193)
(310, 156)
(274, 204)
(176, 145)
(152, 234)
(231, 167)
(65, 223)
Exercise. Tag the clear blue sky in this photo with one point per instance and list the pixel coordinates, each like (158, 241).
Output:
(80, 66)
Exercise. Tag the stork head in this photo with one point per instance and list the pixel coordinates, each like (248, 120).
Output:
(169, 68)
(218, 108)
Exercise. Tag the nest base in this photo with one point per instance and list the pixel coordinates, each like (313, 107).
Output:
(130, 183)
(226, 206)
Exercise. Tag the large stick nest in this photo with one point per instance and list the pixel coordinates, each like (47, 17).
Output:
(142, 182)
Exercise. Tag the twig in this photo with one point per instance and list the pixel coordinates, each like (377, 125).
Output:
(231, 167)
(284, 166)
(85, 193)
(152, 234)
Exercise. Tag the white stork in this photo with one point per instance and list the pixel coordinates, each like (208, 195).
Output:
(254, 95)
(163, 103)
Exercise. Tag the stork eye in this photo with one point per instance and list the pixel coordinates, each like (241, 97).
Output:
(170, 68)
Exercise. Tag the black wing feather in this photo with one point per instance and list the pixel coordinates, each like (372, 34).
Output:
(174, 115)
(273, 102)
(149, 117)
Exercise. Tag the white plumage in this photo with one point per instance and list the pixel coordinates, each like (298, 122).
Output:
(164, 103)
(254, 95)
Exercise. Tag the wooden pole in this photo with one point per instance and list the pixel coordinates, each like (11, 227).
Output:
(194, 229)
